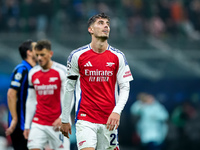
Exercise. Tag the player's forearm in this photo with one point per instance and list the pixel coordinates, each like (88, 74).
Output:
(12, 103)
(67, 101)
(123, 97)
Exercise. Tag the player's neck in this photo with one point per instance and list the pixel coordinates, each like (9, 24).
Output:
(31, 61)
(48, 65)
(99, 46)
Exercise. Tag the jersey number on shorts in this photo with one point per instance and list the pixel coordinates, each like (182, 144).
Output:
(113, 137)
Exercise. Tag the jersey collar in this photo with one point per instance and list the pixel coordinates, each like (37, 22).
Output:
(26, 64)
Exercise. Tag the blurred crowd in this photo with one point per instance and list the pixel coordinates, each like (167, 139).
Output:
(156, 128)
(159, 18)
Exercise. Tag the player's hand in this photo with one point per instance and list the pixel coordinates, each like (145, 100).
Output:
(56, 124)
(113, 121)
(66, 129)
(26, 133)
(10, 130)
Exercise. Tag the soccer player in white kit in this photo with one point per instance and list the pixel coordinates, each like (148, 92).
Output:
(95, 71)
(43, 106)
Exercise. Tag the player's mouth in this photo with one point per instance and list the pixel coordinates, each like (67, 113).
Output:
(105, 31)
(40, 62)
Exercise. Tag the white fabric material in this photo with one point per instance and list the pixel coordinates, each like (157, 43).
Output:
(31, 101)
(122, 98)
(30, 107)
(67, 102)
(41, 135)
(3, 143)
(107, 140)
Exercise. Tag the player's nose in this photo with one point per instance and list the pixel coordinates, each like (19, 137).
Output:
(39, 57)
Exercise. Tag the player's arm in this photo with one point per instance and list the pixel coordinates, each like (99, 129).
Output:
(57, 123)
(114, 118)
(30, 110)
(31, 103)
(72, 76)
(66, 105)
(12, 105)
(12, 98)
(124, 76)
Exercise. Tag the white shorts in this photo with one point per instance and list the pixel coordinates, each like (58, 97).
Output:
(95, 135)
(41, 135)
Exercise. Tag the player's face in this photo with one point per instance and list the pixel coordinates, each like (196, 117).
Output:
(44, 57)
(100, 28)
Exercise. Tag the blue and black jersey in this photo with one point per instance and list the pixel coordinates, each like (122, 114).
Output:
(19, 82)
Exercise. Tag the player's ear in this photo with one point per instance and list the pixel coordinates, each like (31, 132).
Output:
(51, 53)
(28, 52)
(90, 30)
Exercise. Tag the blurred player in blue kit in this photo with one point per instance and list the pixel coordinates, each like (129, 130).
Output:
(17, 94)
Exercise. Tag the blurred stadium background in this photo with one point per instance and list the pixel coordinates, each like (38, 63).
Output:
(160, 38)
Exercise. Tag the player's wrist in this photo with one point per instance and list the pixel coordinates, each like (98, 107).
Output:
(116, 110)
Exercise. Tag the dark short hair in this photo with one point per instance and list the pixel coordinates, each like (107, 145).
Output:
(43, 44)
(97, 16)
(24, 47)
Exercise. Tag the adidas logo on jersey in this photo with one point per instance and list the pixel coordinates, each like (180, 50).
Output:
(37, 81)
(88, 64)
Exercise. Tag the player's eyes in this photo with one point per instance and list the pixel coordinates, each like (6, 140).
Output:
(42, 55)
(101, 22)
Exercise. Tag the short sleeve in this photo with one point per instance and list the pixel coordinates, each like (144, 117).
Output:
(17, 77)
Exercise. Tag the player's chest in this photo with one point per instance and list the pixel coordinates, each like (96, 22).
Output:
(46, 81)
(98, 62)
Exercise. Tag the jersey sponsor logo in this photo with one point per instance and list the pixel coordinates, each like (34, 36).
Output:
(88, 64)
(15, 83)
(98, 72)
(98, 79)
(127, 74)
(109, 64)
(81, 143)
(46, 89)
(53, 79)
(98, 75)
(37, 81)
(18, 76)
